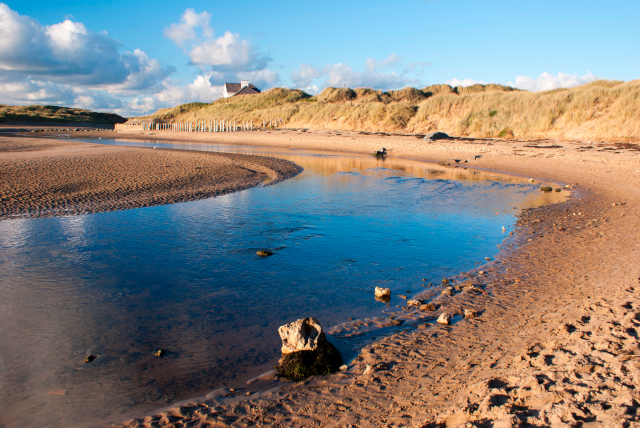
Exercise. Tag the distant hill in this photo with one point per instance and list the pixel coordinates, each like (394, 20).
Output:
(37, 114)
(601, 109)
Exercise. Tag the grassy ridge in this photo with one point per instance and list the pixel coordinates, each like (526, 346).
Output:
(44, 114)
(601, 109)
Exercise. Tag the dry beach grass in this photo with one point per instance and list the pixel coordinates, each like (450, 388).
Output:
(556, 341)
(598, 110)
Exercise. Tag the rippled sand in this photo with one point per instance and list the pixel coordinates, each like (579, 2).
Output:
(42, 178)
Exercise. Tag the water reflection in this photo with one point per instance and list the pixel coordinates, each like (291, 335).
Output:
(185, 278)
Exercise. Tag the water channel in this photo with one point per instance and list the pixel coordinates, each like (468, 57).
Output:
(185, 277)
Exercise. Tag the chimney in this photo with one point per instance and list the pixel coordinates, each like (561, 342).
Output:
(244, 83)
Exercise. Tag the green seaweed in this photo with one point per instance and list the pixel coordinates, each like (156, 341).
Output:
(298, 366)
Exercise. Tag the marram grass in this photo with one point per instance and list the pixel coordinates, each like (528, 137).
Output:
(598, 110)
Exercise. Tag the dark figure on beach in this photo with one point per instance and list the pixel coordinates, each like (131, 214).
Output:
(380, 153)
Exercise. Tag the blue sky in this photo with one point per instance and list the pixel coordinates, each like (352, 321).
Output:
(136, 57)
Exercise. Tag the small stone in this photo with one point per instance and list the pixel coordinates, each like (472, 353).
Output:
(343, 367)
(488, 258)
(468, 313)
(248, 393)
(89, 358)
(367, 370)
(264, 253)
(402, 296)
(558, 190)
(444, 318)
(445, 281)
(414, 302)
(424, 279)
(531, 180)
(546, 189)
(159, 353)
(382, 292)
(429, 307)
(448, 291)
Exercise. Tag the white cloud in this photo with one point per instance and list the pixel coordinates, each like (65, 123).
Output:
(186, 28)
(68, 53)
(224, 54)
(465, 82)
(342, 74)
(305, 75)
(547, 82)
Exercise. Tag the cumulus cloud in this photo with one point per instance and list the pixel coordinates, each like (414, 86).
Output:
(186, 28)
(305, 75)
(465, 82)
(227, 53)
(376, 74)
(68, 53)
(547, 82)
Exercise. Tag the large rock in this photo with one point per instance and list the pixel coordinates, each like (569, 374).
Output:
(301, 335)
(306, 351)
(436, 136)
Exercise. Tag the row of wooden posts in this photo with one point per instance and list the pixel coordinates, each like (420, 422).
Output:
(210, 126)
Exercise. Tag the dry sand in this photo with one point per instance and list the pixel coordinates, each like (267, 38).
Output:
(556, 339)
(43, 178)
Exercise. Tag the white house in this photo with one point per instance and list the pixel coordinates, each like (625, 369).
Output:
(242, 88)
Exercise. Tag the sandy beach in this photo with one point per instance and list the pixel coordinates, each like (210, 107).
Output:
(555, 342)
(44, 178)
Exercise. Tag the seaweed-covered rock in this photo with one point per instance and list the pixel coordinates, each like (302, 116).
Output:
(264, 253)
(436, 136)
(546, 189)
(306, 351)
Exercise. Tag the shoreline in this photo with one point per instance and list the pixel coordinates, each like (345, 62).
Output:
(555, 342)
(51, 178)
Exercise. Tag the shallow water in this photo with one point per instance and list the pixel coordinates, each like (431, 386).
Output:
(186, 278)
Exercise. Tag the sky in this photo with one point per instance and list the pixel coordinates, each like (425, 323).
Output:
(133, 58)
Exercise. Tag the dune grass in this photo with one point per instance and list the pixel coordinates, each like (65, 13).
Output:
(45, 114)
(601, 109)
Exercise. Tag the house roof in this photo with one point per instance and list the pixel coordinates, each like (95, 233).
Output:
(232, 88)
(248, 90)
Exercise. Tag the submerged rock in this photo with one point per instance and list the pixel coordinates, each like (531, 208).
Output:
(444, 318)
(382, 292)
(306, 351)
(264, 253)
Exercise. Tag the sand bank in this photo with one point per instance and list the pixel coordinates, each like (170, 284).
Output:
(556, 342)
(44, 178)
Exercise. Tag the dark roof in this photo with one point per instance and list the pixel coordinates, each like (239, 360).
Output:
(232, 88)
(248, 90)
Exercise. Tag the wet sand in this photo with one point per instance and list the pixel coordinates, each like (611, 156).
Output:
(556, 339)
(44, 178)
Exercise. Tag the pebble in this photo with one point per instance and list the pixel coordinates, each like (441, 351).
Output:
(468, 313)
(444, 318)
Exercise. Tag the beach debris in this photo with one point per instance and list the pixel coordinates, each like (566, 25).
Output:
(429, 307)
(444, 318)
(468, 313)
(414, 302)
(264, 253)
(159, 353)
(89, 358)
(306, 351)
(436, 136)
(546, 189)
